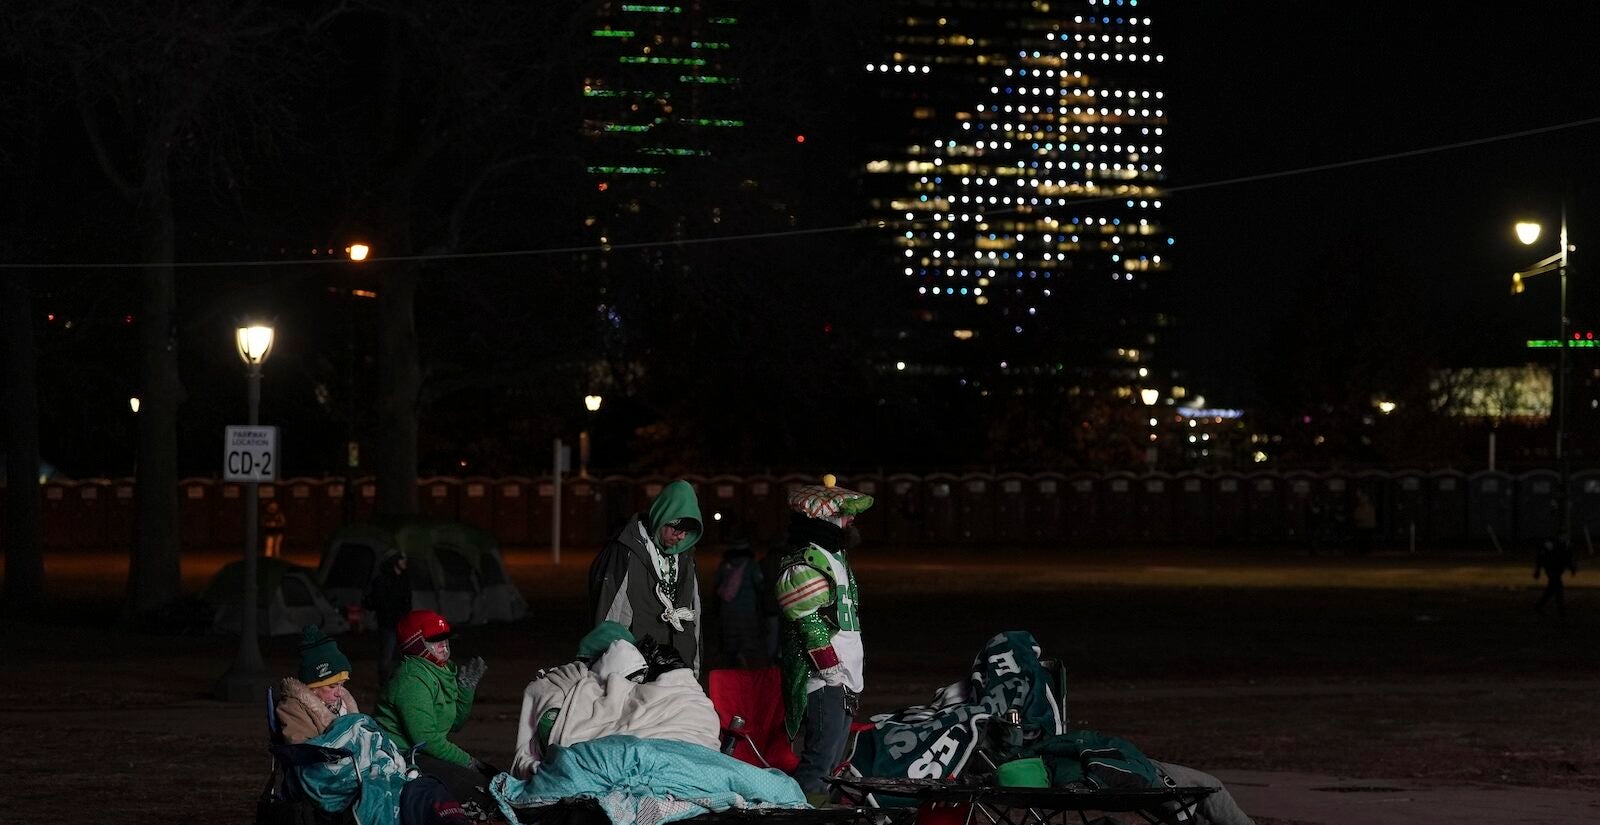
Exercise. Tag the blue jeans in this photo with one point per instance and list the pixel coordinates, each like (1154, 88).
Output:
(826, 728)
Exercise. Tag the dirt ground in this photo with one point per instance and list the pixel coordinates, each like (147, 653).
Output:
(1392, 666)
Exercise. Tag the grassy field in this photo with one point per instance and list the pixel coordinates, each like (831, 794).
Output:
(1431, 666)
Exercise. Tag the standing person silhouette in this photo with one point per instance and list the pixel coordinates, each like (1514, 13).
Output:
(1364, 516)
(388, 596)
(1554, 559)
(273, 521)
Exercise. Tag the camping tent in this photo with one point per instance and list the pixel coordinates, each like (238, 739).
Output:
(287, 599)
(455, 569)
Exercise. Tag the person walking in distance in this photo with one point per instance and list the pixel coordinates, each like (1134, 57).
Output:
(1364, 517)
(389, 598)
(1554, 560)
(739, 583)
(272, 522)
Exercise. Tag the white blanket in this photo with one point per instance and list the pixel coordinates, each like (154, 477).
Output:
(672, 707)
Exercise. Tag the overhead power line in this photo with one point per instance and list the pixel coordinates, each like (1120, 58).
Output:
(791, 233)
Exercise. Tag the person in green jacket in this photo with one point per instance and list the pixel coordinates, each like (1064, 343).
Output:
(822, 658)
(644, 578)
(427, 699)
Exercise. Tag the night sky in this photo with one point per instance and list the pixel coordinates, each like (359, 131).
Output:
(1415, 251)
(1279, 272)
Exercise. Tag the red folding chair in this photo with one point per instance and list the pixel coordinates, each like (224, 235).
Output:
(756, 696)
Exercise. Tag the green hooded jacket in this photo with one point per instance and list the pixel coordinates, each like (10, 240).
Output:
(677, 500)
(627, 582)
(423, 702)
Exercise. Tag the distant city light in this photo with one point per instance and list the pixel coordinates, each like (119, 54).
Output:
(358, 251)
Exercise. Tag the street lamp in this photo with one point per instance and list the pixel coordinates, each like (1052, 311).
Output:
(1528, 232)
(592, 404)
(133, 404)
(247, 679)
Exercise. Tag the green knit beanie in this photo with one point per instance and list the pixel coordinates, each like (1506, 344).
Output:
(601, 638)
(321, 663)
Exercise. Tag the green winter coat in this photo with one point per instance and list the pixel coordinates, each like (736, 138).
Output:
(423, 702)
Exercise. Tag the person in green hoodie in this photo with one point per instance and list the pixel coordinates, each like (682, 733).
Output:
(644, 578)
(428, 698)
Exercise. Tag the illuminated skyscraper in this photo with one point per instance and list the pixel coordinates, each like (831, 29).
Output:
(1018, 175)
(659, 93)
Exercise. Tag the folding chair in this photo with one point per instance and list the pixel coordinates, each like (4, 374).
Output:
(283, 801)
(1057, 685)
(756, 696)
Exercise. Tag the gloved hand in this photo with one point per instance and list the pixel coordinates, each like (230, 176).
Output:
(489, 771)
(832, 676)
(660, 658)
(852, 703)
(471, 673)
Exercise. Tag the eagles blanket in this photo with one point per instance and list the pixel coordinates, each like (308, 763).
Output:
(934, 741)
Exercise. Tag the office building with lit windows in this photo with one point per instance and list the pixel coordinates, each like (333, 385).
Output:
(658, 104)
(1017, 171)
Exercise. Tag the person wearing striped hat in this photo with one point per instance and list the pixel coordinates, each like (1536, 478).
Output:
(820, 653)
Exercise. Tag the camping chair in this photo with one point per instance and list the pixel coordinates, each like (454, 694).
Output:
(1057, 686)
(283, 801)
(756, 697)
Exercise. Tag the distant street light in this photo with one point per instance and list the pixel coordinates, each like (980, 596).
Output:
(133, 404)
(359, 251)
(247, 679)
(592, 404)
(1149, 397)
(1528, 232)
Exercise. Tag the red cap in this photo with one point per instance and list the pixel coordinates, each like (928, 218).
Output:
(420, 625)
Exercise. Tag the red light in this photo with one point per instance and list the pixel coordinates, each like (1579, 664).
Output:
(50, 317)
(127, 319)
(827, 328)
(799, 138)
(603, 186)
(1590, 336)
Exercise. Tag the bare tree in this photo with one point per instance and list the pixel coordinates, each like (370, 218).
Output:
(462, 113)
(167, 93)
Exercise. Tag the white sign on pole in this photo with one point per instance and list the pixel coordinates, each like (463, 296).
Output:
(250, 454)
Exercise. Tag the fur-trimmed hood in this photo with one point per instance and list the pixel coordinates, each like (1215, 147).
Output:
(302, 715)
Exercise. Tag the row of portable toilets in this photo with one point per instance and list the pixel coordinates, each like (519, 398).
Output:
(1428, 508)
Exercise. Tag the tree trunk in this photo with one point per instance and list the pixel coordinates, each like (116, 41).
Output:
(154, 575)
(24, 587)
(399, 384)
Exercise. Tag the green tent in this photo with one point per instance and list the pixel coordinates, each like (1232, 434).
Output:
(455, 569)
(288, 597)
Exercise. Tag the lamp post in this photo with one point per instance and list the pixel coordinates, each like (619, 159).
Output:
(1528, 232)
(246, 678)
(592, 404)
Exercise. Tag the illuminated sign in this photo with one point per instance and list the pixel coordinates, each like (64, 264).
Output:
(1188, 412)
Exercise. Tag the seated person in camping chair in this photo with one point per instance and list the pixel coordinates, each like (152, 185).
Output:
(335, 761)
